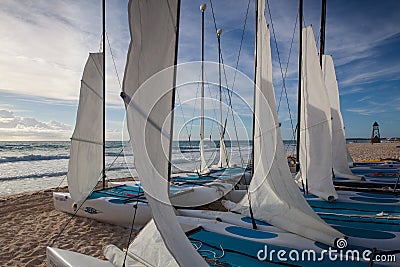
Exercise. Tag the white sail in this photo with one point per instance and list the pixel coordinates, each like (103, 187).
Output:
(147, 249)
(152, 51)
(86, 160)
(223, 153)
(315, 125)
(339, 149)
(203, 163)
(275, 197)
(350, 160)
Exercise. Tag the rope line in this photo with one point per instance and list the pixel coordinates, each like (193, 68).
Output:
(78, 208)
(226, 80)
(183, 114)
(113, 59)
(283, 75)
(132, 226)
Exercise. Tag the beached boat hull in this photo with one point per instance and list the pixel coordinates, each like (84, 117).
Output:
(193, 196)
(361, 233)
(349, 202)
(378, 165)
(117, 204)
(377, 180)
(106, 209)
(223, 238)
(361, 203)
(65, 258)
(229, 239)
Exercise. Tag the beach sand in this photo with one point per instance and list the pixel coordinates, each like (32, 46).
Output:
(29, 223)
(371, 152)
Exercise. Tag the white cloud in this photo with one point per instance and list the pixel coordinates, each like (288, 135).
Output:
(45, 45)
(14, 127)
(366, 111)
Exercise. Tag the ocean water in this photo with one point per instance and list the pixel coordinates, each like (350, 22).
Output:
(32, 166)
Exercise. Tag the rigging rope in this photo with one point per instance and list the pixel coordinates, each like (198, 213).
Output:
(283, 75)
(231, 109)
(93, 189)
(194, 108)
(183, 114)
(133, 223)
(241, 44)
(226, 80)
(115, 66)
(213, 103)
(233, 251)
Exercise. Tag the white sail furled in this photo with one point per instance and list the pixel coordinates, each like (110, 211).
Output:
(86, 160)
(223, 153)
(339, 149)
(152, 54)
(315, 125)
(147, 249)
(350, 160)
(274, 195)
(203, 163)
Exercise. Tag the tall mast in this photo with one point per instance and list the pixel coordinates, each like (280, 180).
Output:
(174, 88)
(254, 114)
(299, 87)
(202, 8)
(322, 33)
(255, 86)
(104, 94)
(221, 130)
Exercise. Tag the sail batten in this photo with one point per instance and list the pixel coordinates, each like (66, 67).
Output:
(93, 90)
(85, 164)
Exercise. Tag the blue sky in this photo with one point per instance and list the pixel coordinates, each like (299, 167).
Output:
(45, 44)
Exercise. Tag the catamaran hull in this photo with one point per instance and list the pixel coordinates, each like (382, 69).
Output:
(193, 196)
(359, 235)
(116, 205)
(104, 209)
(349, 202)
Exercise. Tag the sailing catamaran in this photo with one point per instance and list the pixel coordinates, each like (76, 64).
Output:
(273, 196)
(321, 140)
(87, 164)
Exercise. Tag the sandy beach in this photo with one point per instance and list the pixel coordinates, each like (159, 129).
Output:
(371, 152)
(29, 223)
